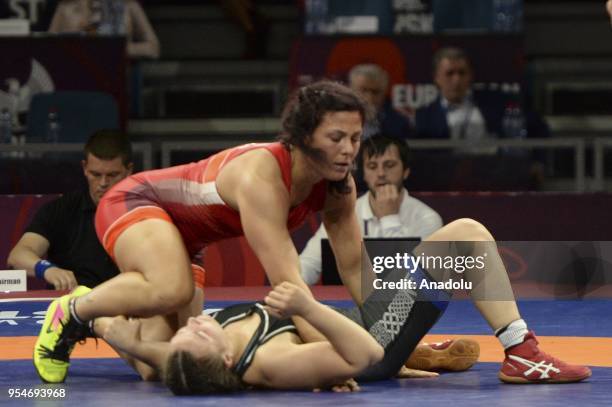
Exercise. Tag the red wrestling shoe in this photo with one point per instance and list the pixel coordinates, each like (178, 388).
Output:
(453, 354)
(526, 363)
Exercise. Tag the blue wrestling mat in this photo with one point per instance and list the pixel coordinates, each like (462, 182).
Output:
(110, 382)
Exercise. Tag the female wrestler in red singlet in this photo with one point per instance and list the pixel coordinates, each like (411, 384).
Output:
(153, 222)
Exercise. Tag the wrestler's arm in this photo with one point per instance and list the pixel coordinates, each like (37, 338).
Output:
(344, 235)
(306, 366)
(154, 354)
(124, 335)
(264, 207)
(349, 349)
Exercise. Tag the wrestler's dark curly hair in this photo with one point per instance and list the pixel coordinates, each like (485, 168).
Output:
(304, 112)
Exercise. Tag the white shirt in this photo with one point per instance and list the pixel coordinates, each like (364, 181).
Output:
(465, 122)
(415, 219)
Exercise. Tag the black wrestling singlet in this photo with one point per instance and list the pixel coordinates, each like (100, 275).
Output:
(267, 329)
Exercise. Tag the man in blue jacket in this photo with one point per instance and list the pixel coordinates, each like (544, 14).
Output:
(460, 114)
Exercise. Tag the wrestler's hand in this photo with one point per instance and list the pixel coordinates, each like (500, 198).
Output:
(60, 279)
(348, 386)
(288, 299)
(123, 334)
(407, 373)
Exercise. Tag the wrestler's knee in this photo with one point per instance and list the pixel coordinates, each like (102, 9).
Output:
(173, 295)
(469, 229)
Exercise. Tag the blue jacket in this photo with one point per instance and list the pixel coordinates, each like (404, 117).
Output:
(394, 124)
(431, 120)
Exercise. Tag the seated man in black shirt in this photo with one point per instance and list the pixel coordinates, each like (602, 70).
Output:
(63, 230)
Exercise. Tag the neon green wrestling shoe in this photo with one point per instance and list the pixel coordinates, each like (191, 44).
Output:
(58, 335)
